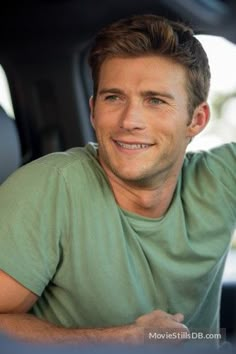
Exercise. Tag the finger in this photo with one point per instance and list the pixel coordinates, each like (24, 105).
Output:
(178, 317)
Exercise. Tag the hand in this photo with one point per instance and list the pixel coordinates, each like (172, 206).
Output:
(169, 328)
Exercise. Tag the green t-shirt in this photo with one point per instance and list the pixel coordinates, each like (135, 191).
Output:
(93, 264)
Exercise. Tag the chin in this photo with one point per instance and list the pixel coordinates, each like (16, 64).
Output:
(131, 177)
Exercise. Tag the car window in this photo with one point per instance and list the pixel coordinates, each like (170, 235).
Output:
(5, 96)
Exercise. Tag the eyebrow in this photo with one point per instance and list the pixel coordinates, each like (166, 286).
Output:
(157, 93)
(146, 93)
(110, 90)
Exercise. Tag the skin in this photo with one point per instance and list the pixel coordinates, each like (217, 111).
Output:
(139, 101)
(144, 101)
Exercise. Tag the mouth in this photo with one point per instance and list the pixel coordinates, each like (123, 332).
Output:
(132, 146)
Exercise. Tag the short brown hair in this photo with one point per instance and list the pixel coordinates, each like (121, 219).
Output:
(144, 35)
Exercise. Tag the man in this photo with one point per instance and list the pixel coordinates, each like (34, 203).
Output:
(104, 242)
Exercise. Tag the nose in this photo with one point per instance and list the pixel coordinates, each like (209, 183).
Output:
(132, 117)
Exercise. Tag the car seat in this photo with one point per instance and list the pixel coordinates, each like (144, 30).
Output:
(10, 149)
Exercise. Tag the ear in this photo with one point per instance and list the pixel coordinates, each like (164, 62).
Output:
(201, 116)
(91, 106)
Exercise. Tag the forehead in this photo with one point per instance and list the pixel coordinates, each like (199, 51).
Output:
(142, 71)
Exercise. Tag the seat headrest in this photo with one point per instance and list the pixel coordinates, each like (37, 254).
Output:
(10, 149)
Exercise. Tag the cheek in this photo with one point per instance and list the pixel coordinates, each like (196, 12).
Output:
(104, 123)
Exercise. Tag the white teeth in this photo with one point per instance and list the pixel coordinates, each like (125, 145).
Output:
(132, 146)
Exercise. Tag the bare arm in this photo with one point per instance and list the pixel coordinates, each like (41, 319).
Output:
(15, 301)
(30, 328)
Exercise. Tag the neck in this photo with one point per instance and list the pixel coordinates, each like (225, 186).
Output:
(151, 202)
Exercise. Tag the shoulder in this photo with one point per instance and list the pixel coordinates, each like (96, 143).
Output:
(216, 158)
(57, 163)
(218, 165)
(63, 160)
(52, 172)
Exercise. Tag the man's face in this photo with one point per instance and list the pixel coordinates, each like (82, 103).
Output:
(141, 120)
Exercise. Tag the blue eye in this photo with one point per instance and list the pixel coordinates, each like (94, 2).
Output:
(111, 98)
(155, 101)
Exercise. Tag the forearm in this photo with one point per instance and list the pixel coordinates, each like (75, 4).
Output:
(30, 328)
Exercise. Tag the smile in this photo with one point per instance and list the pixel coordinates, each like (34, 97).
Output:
(130, 146)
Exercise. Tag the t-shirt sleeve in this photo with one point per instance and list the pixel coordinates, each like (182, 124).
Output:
(221, 161)
(32, 220)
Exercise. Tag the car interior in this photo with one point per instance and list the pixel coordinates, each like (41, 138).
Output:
(43, 52)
